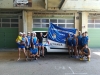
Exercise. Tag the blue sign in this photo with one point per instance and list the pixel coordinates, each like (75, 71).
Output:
(59, 34)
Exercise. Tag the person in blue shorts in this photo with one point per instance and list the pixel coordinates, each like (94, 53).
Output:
(29, 41)
(69, 45)
(28, 44)
(79, 37)
(84, 40)
(25, 40)
(32, 36)
(34, 52)
(85, 51)
(74, 44)
(21, 45)
(86, 34)
(40, 42)
(34, 40)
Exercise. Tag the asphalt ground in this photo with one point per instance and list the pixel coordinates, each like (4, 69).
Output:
(52, 64)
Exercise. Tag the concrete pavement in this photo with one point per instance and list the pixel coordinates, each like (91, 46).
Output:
(52, 64)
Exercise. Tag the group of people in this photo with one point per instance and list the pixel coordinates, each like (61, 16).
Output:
(30, 44)
(78, 45)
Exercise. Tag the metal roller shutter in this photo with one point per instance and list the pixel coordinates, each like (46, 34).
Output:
(94, 30)
(8, 31)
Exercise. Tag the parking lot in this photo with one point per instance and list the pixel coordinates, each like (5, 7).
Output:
(52, 64)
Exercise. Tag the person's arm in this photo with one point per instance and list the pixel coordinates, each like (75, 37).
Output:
(26, 40)
(37, 40)
(82, 50)
(45, 35)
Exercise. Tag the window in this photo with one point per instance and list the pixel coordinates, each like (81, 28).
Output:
(97, 21)
(14, 25)
(70, 21)
(45, 20)
(36, 20)
(90, 21)
(61, 20)
(90, 25)
(14, 20)
(45, 25)
(5, 20)
(94, 23)
(97, 25)
(70, 26)
(37, 25)
(0, 24)
(53, 20)
(9, 21)
(5, 25)
(61, 25)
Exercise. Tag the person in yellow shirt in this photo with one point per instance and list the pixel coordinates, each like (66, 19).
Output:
(19, 38)
(21, 45)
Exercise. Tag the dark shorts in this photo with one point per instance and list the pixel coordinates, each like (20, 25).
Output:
(86, 55)
(69, 44)
(20, 46)
(74, 45)
(40, 44)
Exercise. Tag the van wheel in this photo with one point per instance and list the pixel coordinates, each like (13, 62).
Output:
(45, 51)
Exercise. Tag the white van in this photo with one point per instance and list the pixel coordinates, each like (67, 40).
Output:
(52, 46)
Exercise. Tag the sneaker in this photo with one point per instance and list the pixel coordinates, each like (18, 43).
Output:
(77, 57)
(43, 56)
(18, 59)
(26, 59)
(36, 58)
(73, 56)
(81, 58)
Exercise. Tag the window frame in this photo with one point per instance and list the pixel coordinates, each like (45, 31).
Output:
(53, 23)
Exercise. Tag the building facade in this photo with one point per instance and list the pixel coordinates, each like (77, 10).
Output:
(36, 15)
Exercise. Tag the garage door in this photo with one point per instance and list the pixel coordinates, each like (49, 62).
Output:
(94, 31)
(41, 23)
(8, 31)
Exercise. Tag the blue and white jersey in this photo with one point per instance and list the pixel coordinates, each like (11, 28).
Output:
(79, 39)
(34, 40)
(29, 40)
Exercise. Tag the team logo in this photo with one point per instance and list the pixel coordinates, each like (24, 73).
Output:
(54, 36)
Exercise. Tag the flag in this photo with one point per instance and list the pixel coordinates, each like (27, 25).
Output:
(59, 34)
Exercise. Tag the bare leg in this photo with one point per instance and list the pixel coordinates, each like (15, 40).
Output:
(76, 50)
(25, 53)
(19, 51)
(42, 50)
(88, 57)
(39, 50)
(69, 50)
